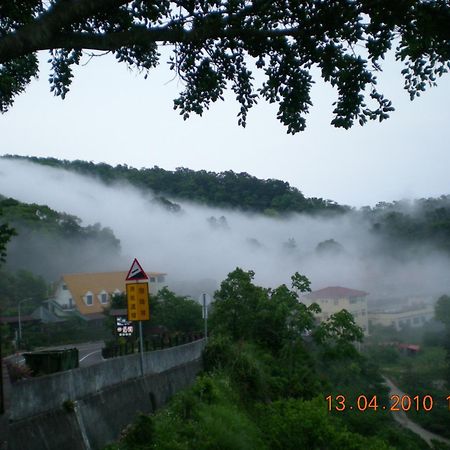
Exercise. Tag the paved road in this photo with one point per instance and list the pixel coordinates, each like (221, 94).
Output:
(405, 421)
(89, 353)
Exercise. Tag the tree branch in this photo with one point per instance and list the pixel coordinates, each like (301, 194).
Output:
(48, 30)
(141, 36)
(37, 35)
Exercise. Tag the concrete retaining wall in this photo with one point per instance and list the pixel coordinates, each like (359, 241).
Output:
(37, 395)
(106, 397)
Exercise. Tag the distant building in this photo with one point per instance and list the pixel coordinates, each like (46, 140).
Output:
(335, 298)
(407, 316)
(89, 294)
(409, 349)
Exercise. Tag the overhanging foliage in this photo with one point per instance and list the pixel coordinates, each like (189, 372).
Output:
(212, 41)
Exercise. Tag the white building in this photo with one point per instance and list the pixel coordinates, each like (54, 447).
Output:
(412, 316)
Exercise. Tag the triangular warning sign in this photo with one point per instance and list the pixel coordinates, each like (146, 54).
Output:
(136, 272)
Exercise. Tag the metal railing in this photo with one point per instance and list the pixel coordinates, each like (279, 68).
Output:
(155, 343)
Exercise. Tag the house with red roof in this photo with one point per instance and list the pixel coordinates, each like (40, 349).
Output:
(335, 298)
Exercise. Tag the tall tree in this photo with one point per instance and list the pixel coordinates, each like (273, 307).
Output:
(269, 317)
(6, 233)
(212, 40)
(235, 305)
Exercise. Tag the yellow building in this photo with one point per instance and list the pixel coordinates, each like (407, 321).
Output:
(91, 293)
(335, 298)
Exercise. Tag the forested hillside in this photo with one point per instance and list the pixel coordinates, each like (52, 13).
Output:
(401, 228)
(416, 224)
(274, 379)
(226, 189)
(400, 224)
(50, 243)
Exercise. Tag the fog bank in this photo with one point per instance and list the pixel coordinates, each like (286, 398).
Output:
(189, 247)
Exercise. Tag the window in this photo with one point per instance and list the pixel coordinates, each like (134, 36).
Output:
(152, 279)
(89, 298)
(161, 278)
(64, 287)
(103, 297)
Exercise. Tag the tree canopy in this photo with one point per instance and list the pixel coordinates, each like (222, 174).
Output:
(6, 233)
(274, 317)
(410, 225)
(219, 44)
(225, 189)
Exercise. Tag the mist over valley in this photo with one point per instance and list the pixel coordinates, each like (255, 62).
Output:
(198, 245)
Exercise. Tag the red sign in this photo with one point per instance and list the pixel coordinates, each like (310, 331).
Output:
(136, 272)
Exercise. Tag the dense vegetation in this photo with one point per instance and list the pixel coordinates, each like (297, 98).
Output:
(226, 189)
(268, 368)
(412, 224)
(20, 285)
(15, 287)
(44, 239)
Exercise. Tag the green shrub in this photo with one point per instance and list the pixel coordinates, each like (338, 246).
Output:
(139, 435)
(298, 424)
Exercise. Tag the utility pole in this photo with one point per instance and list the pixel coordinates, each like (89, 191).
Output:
(205, 316)
(20, 322)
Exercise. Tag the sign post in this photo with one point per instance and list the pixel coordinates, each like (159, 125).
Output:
(137, 301)
(205, 299)
(205, 317)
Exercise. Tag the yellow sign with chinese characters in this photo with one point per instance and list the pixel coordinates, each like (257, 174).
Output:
(137, 298)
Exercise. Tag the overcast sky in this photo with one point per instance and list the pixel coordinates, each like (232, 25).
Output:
(113, 115)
